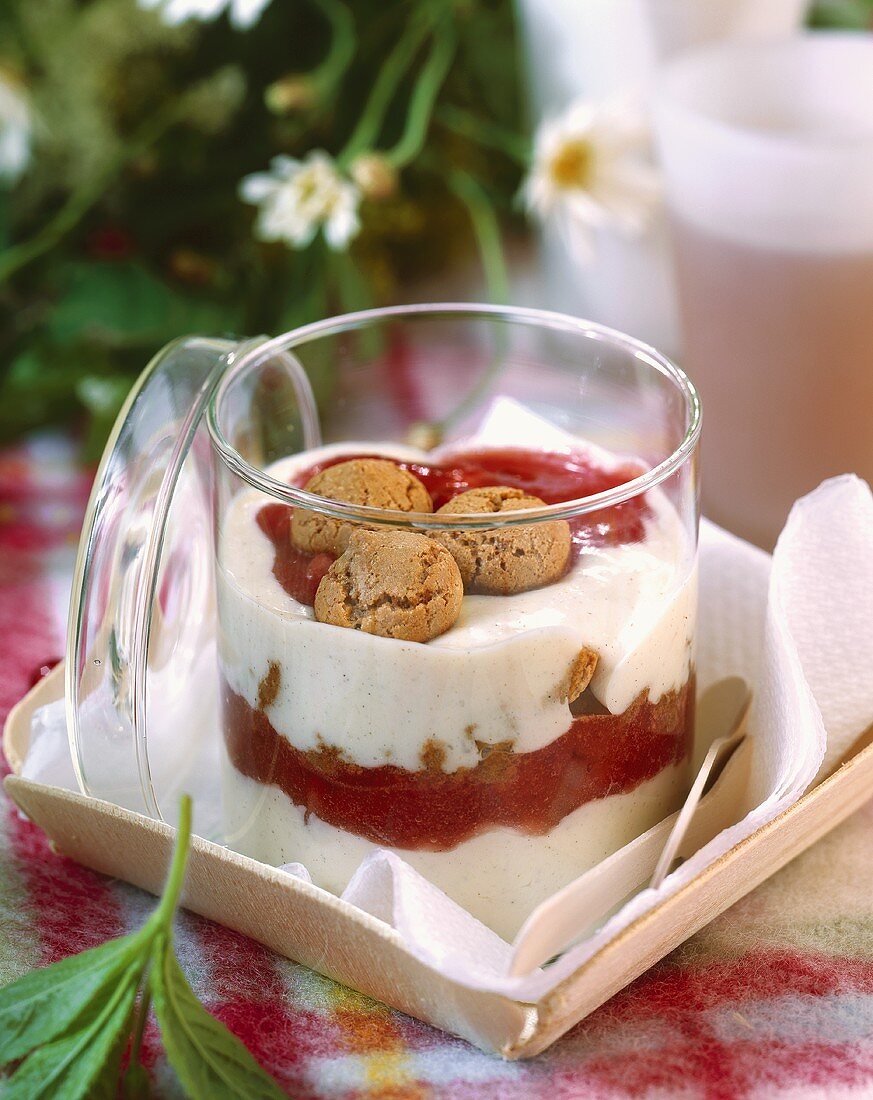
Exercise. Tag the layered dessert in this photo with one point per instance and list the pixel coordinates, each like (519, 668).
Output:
(503, 706)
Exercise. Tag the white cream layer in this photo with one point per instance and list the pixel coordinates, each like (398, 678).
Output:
(498, 674)
(499, 876)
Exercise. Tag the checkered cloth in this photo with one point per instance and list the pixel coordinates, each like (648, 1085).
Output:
(775, 998)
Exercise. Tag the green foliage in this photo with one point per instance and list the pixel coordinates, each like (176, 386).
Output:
(82, 1063)
(69, 1024)
(846, 14)
(49, 1002)
(208, 1059)
(127, 228)
(123, 304)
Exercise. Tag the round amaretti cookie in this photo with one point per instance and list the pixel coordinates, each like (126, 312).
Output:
(371, 481)
(512, 559)
(394, 583)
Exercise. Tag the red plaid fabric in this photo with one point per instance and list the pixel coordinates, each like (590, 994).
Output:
(774, 999)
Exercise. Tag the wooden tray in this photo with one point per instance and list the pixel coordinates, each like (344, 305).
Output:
(327, 934)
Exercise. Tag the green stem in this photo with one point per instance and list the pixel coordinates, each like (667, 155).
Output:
(486, 230)
(145, 1004)
(328, 73)
(163, 915)
(485, 133)
(81, 201)
(366, 133)
(487, 233)
(67, 218)
(424, 96)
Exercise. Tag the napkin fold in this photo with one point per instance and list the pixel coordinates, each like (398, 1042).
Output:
(826, 591)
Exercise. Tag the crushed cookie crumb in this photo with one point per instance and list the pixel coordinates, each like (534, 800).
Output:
(268, 688)
(581, 672)
(433, 755)
(328, 759)
(495, 758)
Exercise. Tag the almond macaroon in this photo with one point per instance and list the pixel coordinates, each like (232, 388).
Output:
(508, 559)
(393, 583)
(374, 482)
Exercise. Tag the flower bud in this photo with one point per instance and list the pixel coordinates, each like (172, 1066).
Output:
(375, 176)
(290, 93)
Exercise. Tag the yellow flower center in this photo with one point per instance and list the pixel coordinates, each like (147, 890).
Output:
(573, 164)
(309, 186)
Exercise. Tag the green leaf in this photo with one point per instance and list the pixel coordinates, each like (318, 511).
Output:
(212, 1064)
(71, 1022)
(843, 14)
(46, 1003)
(85, 1063)
(35, 391)
(137, 1085)
(115, 298)
(124, 304)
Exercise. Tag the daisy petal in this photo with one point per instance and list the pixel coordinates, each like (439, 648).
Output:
(257, 187)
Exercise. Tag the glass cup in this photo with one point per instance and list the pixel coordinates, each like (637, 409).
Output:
(767, 150)
(603, 50)
(456, 587)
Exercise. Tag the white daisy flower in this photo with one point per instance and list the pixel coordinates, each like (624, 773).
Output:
(590, 170)
(243, 13)
(297, 198)
(16, 129)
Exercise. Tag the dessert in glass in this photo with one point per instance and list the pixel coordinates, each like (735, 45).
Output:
(456, 609)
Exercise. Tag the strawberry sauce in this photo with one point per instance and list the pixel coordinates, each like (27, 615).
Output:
(599, 755)
(553, 476)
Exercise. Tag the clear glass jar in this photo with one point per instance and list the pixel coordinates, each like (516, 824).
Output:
(499, 689)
